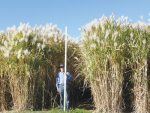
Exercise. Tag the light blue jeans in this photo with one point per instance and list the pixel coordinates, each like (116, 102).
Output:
(61, 92)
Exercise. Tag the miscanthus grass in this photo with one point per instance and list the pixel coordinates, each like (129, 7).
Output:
(139, 50)
(108, 46)
(29, 59)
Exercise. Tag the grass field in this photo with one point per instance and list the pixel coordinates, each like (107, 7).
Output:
(51, 111)
(85, 107)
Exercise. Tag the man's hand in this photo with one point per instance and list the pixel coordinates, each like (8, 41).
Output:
(58, 90)
(66, 74)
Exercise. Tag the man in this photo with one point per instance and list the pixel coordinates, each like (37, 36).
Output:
(60, 85)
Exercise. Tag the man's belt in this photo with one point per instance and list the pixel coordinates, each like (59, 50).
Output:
(62, 84)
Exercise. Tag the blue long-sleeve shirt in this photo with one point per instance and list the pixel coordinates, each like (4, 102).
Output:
(60, 78)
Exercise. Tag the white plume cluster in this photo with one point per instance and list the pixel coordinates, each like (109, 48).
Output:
(39, 37)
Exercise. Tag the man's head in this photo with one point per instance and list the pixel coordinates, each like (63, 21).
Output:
(61, 67)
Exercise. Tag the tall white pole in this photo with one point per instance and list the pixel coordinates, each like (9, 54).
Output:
(65, 66)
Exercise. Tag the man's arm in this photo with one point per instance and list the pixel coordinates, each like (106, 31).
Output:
(69, 77)
(57, 82)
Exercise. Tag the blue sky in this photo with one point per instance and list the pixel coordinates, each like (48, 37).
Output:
(72, 14)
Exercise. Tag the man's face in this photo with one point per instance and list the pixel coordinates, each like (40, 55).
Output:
(62, 68)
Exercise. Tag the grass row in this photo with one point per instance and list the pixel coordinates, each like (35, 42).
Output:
(52, 111)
